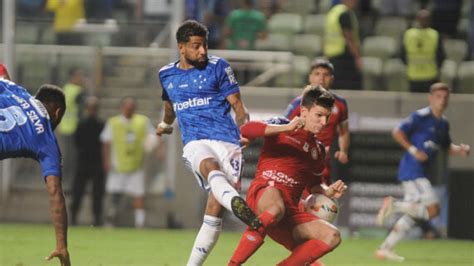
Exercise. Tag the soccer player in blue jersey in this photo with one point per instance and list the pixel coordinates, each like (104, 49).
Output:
(422, 134)
(26, 130)
(200, 90)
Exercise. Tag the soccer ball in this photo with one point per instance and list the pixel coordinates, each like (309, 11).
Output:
(322, 206)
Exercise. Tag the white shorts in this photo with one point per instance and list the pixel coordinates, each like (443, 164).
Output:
(419, 190)
(132, 184)
(227, 154)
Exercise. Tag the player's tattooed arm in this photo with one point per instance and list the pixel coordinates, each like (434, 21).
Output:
(241, 113)
(59, 219)
(169, 115)
(165, 126)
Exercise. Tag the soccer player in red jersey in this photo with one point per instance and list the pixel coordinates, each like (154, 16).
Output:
(322, 73)
(291, 160)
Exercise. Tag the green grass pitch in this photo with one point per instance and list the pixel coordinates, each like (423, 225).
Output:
(24, 245)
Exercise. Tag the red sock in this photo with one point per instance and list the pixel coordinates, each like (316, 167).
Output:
(307, 252)
(267, 219)
(251, 240)
(249, 243)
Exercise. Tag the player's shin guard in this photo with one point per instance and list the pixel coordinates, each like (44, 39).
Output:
(205, 240)
(222, 190)
(399, 230)
(251, 240)
(306, 253)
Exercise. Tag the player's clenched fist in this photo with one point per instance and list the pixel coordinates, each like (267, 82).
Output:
(164, 128)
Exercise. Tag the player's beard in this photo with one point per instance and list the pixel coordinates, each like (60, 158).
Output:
(199, 64)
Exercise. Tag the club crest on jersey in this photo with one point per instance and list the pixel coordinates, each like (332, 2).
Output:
(314, 153)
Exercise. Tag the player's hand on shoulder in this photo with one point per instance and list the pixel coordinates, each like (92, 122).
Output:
(244, 142)
(341, 156)
(62, 255)
(296, 123)
(336, 189)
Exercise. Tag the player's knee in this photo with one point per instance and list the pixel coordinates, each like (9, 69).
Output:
(208, 165)
(335, 238)
(332, 237)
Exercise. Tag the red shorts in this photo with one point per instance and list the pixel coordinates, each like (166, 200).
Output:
(282, 232)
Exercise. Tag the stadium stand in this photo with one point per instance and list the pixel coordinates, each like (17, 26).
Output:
(314, 24)
(309, 45)
(285, 23)
(372, 73)
(466, 77)
(382, 47)
(394, 73)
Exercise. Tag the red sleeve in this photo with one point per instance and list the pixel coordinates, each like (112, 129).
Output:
(4, 72)
(253, 129)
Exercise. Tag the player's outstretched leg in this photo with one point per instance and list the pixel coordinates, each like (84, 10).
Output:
(242, 211)
(386, 211)
(229, 198)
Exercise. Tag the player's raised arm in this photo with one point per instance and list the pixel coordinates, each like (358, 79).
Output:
(165, 126)
(241, 113)
(255, 129)
(59, 219)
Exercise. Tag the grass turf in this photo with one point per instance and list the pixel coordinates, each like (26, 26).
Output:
(24, 244)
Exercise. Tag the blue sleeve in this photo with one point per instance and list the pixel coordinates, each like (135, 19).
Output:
(50, 160)
(225, 75)
(292, 106)
(164, 94)
(408, 124)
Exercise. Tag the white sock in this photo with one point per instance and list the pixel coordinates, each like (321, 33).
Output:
(221, 188)
(399, 230)
(140, 218)
(415, 210)
(205, 240)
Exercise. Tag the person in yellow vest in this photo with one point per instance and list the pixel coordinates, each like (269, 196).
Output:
(422, 52)
(123, 143)
(66, 14)
(75, 96)
(342, 45)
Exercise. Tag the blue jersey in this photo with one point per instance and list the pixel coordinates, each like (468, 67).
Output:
(199, 100)
(427, 133)
(26, 130)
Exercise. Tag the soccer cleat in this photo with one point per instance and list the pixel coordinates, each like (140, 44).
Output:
(386, 211)
(385, 254)
(244, 213)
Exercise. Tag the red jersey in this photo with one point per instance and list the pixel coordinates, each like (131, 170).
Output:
(289, 161)
(339, 114)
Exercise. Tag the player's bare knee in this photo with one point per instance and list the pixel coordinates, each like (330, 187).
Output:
(333, 238)
(208, 165)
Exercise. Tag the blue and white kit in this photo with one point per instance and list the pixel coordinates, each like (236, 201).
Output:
(26, 129)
